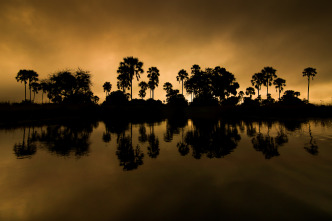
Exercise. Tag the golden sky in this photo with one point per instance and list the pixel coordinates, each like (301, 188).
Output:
(242, 36)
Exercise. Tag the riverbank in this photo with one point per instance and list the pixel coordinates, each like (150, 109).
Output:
(39, 113)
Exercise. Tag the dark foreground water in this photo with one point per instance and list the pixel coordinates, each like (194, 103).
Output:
(170, 170)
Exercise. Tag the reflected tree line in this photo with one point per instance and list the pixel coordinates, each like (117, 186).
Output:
(199, 138)
(71, 139)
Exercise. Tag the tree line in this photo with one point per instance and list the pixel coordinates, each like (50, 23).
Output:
(209, 86)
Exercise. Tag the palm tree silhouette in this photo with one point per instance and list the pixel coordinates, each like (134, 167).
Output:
(279, 84)
(182, 76)
(269, 75)
(189, 86)
(257, 81)
(32, 77)
(129, 67)
(144, 87)
(153, 75)
(24, 76)
(107, 87)
(309, 72)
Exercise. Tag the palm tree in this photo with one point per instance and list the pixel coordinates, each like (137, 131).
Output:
(153, 75)
(129, 67)
(250, 91)
(309, 72)
(32, 77)
(257, 81)
(23, 76)
(269, 75)
(107, 87)
(182, 76)
(279, 84)
(189, 86)
(144, 86)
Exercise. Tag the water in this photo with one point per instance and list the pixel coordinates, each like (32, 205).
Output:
(170, 170)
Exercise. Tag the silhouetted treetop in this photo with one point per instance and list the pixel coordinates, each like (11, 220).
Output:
(71, 87)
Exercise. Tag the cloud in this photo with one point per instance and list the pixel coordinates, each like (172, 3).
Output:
(243, 36)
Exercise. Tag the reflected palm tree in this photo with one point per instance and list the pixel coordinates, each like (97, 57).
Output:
(153, 148)
(312, 146)
(267, 144)
(130, 158)
(143, 137)
(25, 149)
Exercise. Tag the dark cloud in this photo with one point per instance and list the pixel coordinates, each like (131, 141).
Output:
(244, 36)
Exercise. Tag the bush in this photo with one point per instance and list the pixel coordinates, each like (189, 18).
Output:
(116, 98)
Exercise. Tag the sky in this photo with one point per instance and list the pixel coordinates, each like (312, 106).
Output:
(241, 35)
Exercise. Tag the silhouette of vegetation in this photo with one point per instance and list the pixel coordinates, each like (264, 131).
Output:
(173, 97)
(291, 97)
(182, 77)
(309, 73)
(27, 76)
(250, 91)
(129, 68)
(117, 98)
(68, 87)
(107, 86)
(279, 84)
(153, 75)
(269, 74)
(144, 86)
(213, 92)
(257, 81)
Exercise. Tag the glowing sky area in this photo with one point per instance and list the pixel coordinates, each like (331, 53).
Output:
(242, 36)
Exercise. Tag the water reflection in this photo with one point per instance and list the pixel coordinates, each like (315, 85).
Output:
(63, 140)
(215, 139)
(27, 147)
(130, 157)
(199, 138)
(311, 147)
(267, 144)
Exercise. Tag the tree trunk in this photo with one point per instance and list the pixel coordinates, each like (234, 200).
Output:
(131, 90)
(279, 94)
(25, 91)
(308, 87)
(182, 87)
(42, 97)
(30, 90)
(267, 89)
(258, 92)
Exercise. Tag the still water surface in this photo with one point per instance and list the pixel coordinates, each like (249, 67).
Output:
(171, 170)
